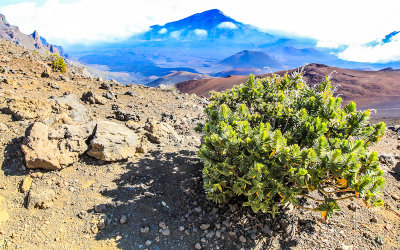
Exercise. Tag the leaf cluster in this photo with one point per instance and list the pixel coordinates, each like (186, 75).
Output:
(278, 140)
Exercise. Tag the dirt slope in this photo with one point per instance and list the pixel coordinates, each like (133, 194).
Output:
(370, 89)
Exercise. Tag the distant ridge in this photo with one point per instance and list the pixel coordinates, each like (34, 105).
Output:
(34, 41)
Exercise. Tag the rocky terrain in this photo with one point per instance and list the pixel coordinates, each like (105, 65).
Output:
(89, 164)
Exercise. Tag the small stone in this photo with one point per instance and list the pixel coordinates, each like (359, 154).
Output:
(144, 230)
(232, 233)
(353, 207)
(42, 198)
(148, 194)
(197, 209)
(37, 175)
(242, 239)
(100, 208)
(165, 232)
(210, 234)
(389, 226)
(181, 228)
(123, 219)
(203, 240)
(26, 184)
(218, 234)
(374, 219)
(82, 214)
(148, 242)
(267, 230)
(204, 226)
(162, 225)
(197, 246)
(379, 240)
(395, 197)
(101, 225)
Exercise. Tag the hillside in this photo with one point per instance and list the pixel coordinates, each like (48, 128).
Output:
(175, 77)
(251, 59)
(370, 89)
(93, 164)
(33, 41)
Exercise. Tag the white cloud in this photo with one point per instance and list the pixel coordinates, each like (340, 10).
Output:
(227, 25)
(175, 34)
(382, 52)
(201, 32)
(342, 22)
(162, 31)
(328, 44)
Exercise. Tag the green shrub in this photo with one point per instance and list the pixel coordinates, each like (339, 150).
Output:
(58, 64)
(277, 140)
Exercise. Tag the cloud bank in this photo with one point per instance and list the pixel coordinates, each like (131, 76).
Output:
(341, 22)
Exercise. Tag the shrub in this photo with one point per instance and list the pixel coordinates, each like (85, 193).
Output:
(277, 140)
(58, 64)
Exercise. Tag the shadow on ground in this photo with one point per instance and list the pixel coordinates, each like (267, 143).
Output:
(175, 181)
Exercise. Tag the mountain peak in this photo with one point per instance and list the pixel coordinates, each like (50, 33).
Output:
(3, 20)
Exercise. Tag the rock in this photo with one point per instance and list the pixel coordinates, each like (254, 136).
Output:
(100, 208)
(204, 226)
(395, 197)
(99, 79)
(374, 219)
(3, 127)
(162, 225)
(181, 228)
(41, 198)
(379, 240)
(145, 230)
(92, 98)
(131, 93)
(76, 111)
(242, 239)
(143, 146)
(266, 229)
(165, 232)
(148, 194)
(101, 225)
(148, 242)
(210, 234)
(112, 142)
(37, 175)
(197, 209)
(110, 95)
(123, 115)
(123, 219)
(161, 132)
(26, 109)
(64, 78)
(57, 148)
(26, 184)
(387, 159)
(218, 234)
(197, 246)
(353, 206)
(46, 73)
(4, 216)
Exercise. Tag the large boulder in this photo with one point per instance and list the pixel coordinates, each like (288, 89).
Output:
(113, 142)
(162, 132)
(55, 148)
(93, 98)
(26, 109)
(76, 110)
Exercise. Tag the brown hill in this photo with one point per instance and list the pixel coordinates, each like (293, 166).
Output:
(370, 89)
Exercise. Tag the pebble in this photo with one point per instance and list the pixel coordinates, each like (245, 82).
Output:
(145, 230)
(197, 209)
(210, 234)
(353, 207)
(123, 219)
(148, 242)
(395, 197)
(165, 232)
(37, 175)
(203, 240)
(181, 228)
(162, 225)
(374, 219)
(218, 234)
(379, 240)
(26, 184)
(389, 227)
(197, 246)
(232, 233)
(204, 226)
(100, 208)
(148, 194)
(242, 239)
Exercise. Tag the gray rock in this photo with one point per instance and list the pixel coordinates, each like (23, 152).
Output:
(165, 232)
(204, 226)
(41, 198)
(78, 112)
(113, 142)
(197, 246)
(123, 219)
(100, 208)
(92, 98)
(145, 230)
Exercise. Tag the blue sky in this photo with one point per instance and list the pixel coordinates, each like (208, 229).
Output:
(354, 23)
